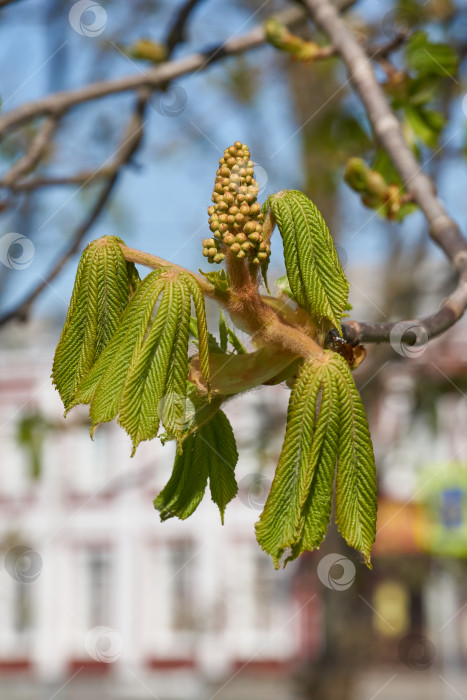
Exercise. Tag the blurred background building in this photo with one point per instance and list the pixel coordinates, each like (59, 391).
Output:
(97, 593)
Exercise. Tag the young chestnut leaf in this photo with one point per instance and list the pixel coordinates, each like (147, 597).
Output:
(326, 426)
(316, 278)
(141, 375)
(104, 283)
(209, 452)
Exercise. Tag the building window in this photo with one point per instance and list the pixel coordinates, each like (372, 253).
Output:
(181, 554)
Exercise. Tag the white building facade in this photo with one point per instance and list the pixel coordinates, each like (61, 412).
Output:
(93, 581)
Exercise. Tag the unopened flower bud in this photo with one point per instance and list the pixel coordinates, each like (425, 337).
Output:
(254, 237)
(255, 209)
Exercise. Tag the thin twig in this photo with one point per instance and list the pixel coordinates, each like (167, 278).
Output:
(61, 102)
(33, 155)
(443, 229)
(130, 144)
(177, 29)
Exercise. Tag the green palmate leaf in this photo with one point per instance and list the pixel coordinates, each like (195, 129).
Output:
(426, 124)
(316, 278)
(428, 58)
(208, 453)
(356, 478)
(297, 511)
(141, 376)
(103, 285)
(326, 426)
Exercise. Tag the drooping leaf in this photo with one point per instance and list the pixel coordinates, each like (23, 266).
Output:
(326, 426)
(185, 489)
(141, 376)
(103, 285)
(316, 278)
(209, 452)
(222, 456)
(356, 478)
(296, 515)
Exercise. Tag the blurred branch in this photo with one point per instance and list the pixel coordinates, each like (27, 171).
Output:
(176, 33)
(60, 103)
(33, 155)
(129, 145)
(442, 228)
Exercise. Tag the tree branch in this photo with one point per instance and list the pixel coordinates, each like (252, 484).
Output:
(33, 155)
(442, 228)
(130, 143)
(61, 102)
(176, 33)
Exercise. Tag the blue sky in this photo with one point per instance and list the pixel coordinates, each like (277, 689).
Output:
(159, 204)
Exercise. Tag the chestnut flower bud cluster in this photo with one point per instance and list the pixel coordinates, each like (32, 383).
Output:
(236, 218)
